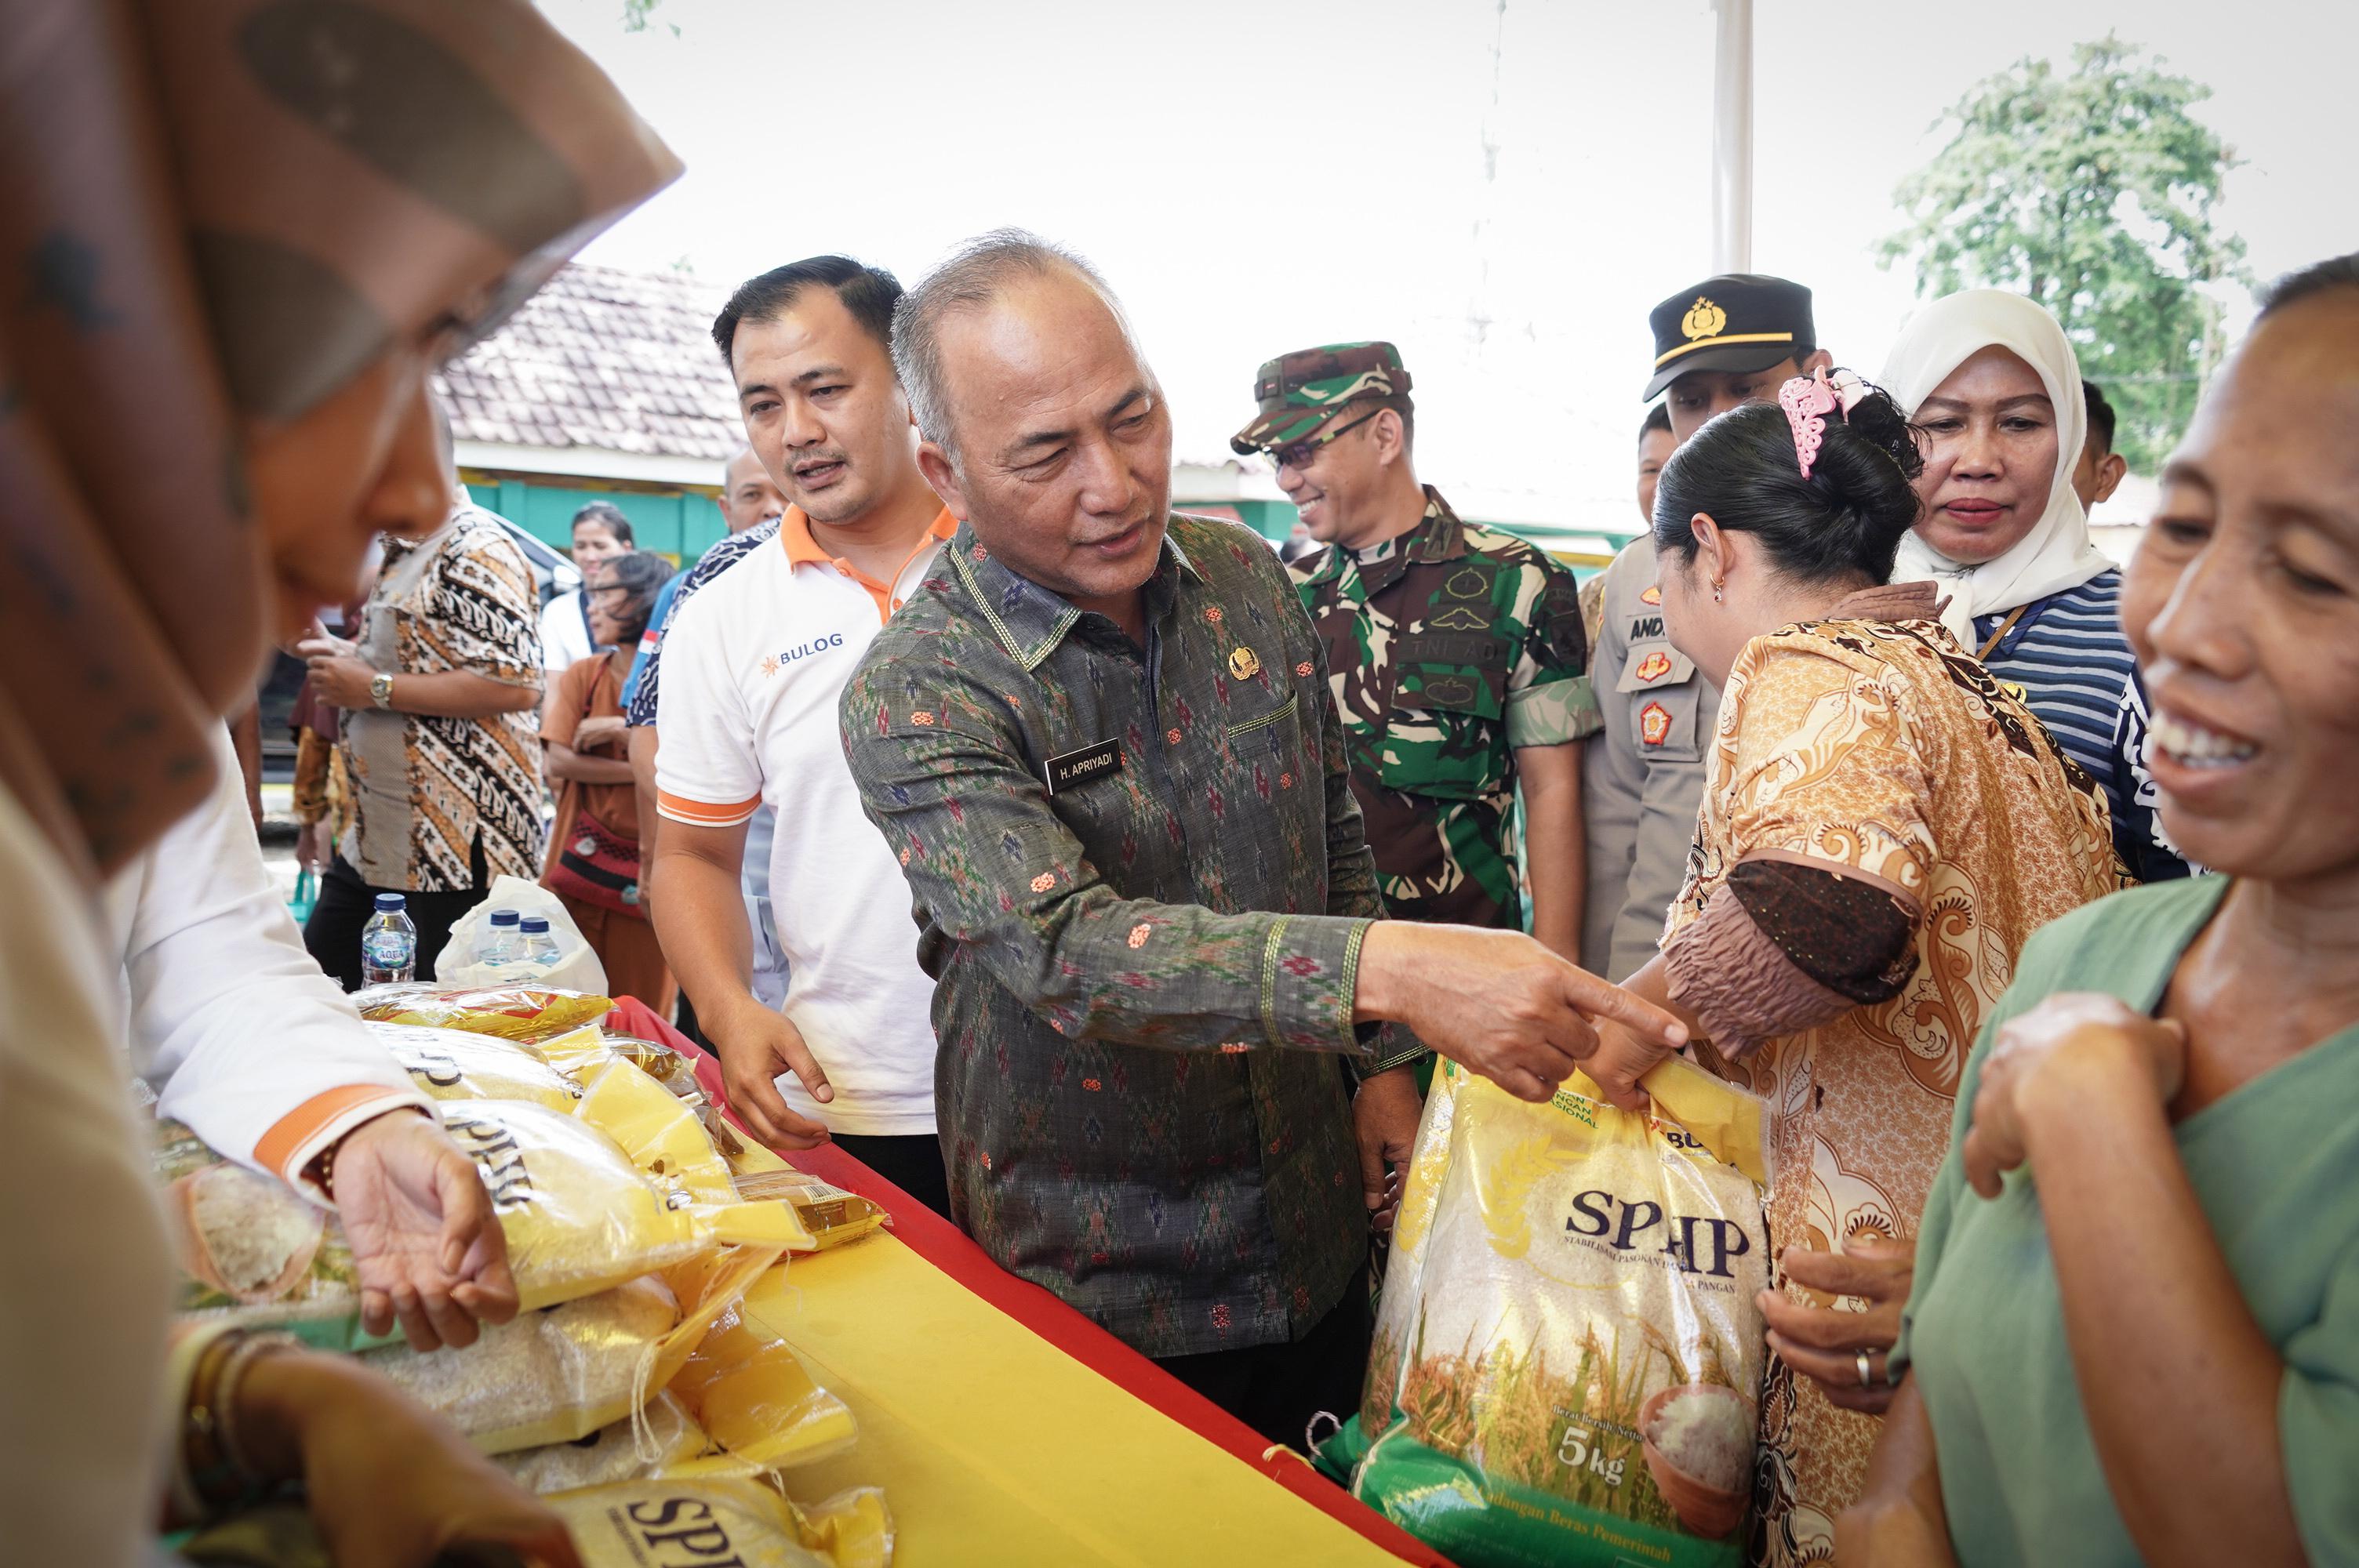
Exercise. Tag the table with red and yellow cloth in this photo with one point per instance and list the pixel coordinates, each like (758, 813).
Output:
(1007, 1428)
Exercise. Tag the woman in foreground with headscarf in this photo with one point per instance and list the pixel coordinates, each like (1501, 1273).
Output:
(2135, 1331)
(1992, 382)
(246, 231)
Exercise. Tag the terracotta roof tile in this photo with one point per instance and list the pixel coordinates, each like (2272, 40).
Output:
(618, 360)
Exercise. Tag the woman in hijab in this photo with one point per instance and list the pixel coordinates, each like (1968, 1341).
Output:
(2133, 1336)
(1991, 380)
(246, 230)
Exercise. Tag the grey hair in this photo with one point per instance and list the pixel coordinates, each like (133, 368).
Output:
(975, 274)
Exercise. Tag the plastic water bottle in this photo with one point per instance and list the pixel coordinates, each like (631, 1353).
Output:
(539, 947)
(501, 941)
(388, 942)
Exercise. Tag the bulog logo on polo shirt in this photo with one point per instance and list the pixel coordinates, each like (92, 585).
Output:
(772, 664)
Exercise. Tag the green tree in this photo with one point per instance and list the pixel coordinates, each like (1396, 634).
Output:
(637, 12)
(2092, 191)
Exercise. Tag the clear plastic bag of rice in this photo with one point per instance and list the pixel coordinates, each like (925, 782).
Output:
(666, 1441)
(544, 1376)
(743, 1524)
(577, 1215)
(560, 1374)
(529, 1013)
(1569, 1369)
(452, 1064)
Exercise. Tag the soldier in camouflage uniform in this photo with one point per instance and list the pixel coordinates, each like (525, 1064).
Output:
(1455, 653)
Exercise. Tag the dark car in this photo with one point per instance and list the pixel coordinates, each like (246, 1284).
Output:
(552, 573)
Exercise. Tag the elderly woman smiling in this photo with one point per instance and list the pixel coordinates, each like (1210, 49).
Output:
(2135, 1329)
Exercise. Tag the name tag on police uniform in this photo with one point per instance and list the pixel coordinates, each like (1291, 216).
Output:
(1076, 768)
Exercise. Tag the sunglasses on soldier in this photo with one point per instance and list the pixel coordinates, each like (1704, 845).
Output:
(1298, 454)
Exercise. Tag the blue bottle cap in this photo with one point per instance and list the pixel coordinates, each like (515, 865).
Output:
(503, 917)
(534, 925)
(390, 902)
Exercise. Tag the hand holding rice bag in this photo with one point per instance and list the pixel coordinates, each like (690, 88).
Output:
(1568, 1369)
(529, 1013)
(639, 1524)
(558, 1375)
(578, 1215)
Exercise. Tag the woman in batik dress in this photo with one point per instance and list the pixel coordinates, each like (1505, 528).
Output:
(1882, 827)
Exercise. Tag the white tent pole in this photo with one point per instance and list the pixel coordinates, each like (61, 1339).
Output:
(1732, 137)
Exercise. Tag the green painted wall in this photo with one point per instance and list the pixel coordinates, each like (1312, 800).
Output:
(680, 524)
(685, 525)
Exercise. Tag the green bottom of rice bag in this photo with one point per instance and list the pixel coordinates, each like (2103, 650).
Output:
(1481, 1522)
(1339, 1457)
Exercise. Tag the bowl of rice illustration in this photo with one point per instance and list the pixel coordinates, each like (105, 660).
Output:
(1700, 1452)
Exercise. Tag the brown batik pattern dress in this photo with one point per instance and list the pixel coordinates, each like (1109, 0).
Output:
(1865, 757)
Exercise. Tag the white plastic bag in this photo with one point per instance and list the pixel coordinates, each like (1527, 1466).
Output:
(576, 967)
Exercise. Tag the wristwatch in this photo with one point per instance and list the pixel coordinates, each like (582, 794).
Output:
(381, 689)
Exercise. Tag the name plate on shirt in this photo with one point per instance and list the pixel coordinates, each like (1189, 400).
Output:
(1076, 768)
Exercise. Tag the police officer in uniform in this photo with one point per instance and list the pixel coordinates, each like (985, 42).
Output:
(1455, 653)
(1725, 341)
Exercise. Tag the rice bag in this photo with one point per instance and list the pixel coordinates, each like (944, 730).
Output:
(579, 1215)
(579, 1218)
(640, 1524)
(452, 1064)
(544, 1376)
(530, 1014)
(661, 1136)
(666, 1441)
(1341, 1454)
(560, 1374)
(1569, 1368)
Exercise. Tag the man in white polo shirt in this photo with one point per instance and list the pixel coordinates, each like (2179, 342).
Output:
(753, 667)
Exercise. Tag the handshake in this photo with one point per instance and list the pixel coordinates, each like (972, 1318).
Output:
(1499, 1004)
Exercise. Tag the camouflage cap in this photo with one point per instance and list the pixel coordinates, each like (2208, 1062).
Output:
(1302, 392)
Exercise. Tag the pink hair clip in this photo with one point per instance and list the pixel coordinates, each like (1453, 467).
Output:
(1808, 400)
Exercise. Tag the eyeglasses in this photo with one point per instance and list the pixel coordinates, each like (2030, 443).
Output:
(1298, 454)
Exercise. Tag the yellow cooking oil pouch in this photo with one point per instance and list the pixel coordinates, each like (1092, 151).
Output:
(640, 1524)
(1568, 1359)
(753, 1397)
(530, 1014)
(825, 1215)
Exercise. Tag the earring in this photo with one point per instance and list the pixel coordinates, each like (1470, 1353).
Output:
(1716, 590)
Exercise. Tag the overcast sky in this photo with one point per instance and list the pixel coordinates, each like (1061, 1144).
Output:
(1504, 187)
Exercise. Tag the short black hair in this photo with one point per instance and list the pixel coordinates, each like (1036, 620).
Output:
(640, 573)
(609, 515)
(2101, 415)
(1659, 417)
(2335, 272)
(868, 292)
(1846, 520)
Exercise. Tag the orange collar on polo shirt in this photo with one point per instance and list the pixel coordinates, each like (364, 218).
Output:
(795, 534)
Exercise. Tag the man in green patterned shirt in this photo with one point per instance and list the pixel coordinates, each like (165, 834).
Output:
(1098, 741)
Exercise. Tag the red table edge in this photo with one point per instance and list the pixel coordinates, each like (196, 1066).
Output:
(947, 1247)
